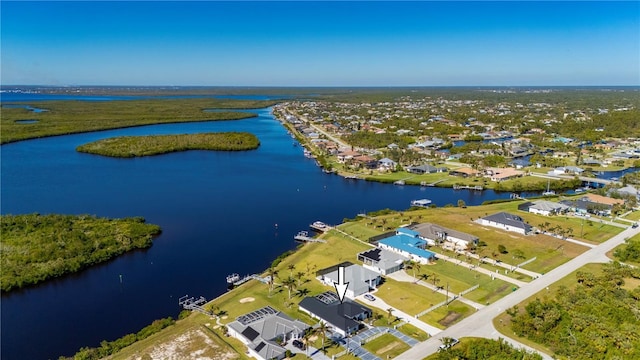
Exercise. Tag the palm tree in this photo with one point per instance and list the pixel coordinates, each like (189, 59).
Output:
(409, 265)
(291, 267)
(435, 278)
(290, 284)
(302, 292)
(322, 331)
(389, 314)
(271, 272)
(299, 276)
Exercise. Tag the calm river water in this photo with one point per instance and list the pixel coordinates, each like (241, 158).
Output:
(218, 212)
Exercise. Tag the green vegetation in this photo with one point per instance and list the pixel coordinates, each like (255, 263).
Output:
(630, 251)
(39, 247)
(386, 346)
(69, 117)
(109, 347)
(483, 349)
(132, 146)
(595, 319)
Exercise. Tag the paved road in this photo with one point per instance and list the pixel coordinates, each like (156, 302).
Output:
(480, 324)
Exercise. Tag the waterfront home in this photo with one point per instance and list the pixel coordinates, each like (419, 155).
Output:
(629, 191)
(425, 169)
(543, 207)
(408, 243)
(342, 317)
(361, 280)
(264, 330)
(449, 238)
(500, 174)
(508, 222)
(366, 161)
(343, 156)
(464, 172)
(387, 164)
(381, 261)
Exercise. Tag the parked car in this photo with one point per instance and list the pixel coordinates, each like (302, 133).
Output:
(635, 225)
(369, 297)
(449, 344)
(299, 344)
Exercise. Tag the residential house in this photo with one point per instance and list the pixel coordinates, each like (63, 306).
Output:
(450, 238)
(464, 172)
(387, 164)
(408, 243)
(343, 317)
(543, 207)
(260, 330)
(508, 222)
(500, 174)
(425, 169)
(361, 280)
(381, 261)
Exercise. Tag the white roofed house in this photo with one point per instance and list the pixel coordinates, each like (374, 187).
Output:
(387, 164)
(361, 280)
(543, 207)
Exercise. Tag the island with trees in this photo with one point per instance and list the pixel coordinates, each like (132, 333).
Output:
(133, 146)
(39, 247)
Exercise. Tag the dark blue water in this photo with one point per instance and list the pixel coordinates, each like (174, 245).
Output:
(217, 210)
(608, 175)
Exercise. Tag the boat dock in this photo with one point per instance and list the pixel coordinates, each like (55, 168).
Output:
(320, 226)
(467, 187)
(236, 280)
(304, 237)
(191, 303)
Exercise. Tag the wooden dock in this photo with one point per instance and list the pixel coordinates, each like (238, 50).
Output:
(467, 187)
(304, 237)
(191, 303)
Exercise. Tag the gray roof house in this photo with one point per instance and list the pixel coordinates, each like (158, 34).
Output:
(506, 221)
(381, 261)
(342, 317)
(387, 163)
(425, 169)
(259, 329)
(435, 234)
(543, 207)
(360, 279)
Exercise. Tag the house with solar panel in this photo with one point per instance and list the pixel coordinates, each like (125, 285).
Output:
(409, 244)
(361, 280)
(343, 318)
(381, 261)
(263, 329)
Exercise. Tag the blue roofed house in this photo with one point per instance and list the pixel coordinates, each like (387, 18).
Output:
(408, 243)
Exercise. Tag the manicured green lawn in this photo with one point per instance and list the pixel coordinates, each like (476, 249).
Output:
(413, 331)
(386, 346)
(633, 216)
(408, 297)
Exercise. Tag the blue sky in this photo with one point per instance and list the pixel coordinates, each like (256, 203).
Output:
(362, 43)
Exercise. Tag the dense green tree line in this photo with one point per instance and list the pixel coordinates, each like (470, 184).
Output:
(111, 347)
(371, 140)
(484, 349)
(630, 251)
(598, 319)
(132, 146)
(70, 117)
(36, 247)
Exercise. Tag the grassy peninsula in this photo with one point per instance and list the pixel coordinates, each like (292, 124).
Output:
(69, 117)
(132, 146)
(38, 247)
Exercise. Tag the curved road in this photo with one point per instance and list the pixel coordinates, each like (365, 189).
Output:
(480, 324)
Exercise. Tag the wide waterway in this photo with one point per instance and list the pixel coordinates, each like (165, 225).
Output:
(218, 212)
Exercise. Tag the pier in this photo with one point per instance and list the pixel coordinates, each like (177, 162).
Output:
(304, 237)
(467, 187)
(193, 304)
(320, 226)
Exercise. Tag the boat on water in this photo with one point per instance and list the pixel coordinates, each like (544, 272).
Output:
(399, 182)
(233, 278)
(421, 202)
(319, 226)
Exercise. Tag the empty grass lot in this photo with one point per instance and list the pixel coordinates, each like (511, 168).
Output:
(445, 316)
(459, 278)
(408, 297)
(386, 346)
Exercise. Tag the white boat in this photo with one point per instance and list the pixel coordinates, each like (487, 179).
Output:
(233, 278)
(399, 182)
(319, 225)
(421, 202)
